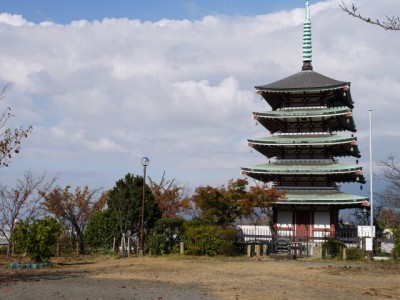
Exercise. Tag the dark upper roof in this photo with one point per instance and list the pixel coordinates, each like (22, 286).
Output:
(304, 80)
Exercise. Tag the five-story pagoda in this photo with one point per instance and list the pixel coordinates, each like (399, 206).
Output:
(308, 109)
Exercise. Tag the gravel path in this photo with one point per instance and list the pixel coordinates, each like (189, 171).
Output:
(77, 282)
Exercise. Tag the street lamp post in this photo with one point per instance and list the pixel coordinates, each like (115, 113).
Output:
(145, 162)
(371, 193)
(371, 201)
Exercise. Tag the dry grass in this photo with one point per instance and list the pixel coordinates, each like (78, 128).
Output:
(187, 277)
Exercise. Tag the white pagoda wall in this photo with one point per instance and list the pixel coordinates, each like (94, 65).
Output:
(285, 227)
(318, 227)
(322, 224)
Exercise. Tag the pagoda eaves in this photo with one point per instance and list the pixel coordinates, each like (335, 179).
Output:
(323, 197)
(307, 120)
(328, 144)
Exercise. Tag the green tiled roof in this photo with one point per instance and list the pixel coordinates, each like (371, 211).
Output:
(279, 145)
(305, 139)
(297, 167)
(291, 169)
(324, 197)
(309, 112)
(289, 119)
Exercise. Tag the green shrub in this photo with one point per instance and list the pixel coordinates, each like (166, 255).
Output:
(227, 248)
(101, 230)
(396, 248)
(206, 239)
(165, 237)
(229, 234)
(37, 237)
(229, 244)
(354, 254)
(332, 248)
(157, 243)
(3, 250)
(203, 240)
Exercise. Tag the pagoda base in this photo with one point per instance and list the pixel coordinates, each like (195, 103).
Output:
(277, 256)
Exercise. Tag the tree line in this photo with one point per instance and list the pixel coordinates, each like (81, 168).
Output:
(84, 217)
(36, 212)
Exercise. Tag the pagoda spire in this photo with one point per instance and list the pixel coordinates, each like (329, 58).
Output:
(307, 44)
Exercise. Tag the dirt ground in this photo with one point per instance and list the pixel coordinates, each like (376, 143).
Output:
(183, 277)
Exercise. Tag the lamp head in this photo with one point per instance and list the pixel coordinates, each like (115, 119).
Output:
(145, 161)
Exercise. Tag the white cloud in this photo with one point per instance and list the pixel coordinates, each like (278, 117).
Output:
(14, 20)
(102, 94)
(57, 132)
(104, 145)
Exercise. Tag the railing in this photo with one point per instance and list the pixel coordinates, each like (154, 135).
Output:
(301, 243)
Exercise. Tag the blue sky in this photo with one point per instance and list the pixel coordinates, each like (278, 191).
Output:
(103, 94)
(150, 10)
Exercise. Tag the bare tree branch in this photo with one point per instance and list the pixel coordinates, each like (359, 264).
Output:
(391, 23)
(22, 201)
(390, 197)
(171, 197)
(10, 139)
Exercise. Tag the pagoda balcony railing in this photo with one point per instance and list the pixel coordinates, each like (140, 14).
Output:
(322, 133)
(305, 112)
(302, 243)
(299, 142)
(318, 234)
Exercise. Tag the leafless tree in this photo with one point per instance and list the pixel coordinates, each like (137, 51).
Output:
(21, 202)
(391, 23)
(10, 139)
(390, 197)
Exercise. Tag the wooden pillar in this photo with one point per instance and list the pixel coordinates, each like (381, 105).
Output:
(370, 256)
(274, 216)
(274, 222)
(334, 220)
(123, 245)
(317, 252)
(294, 223)
(249, 250)
(312, 222)
(58, 249)
(129, 245)
(393, 256)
